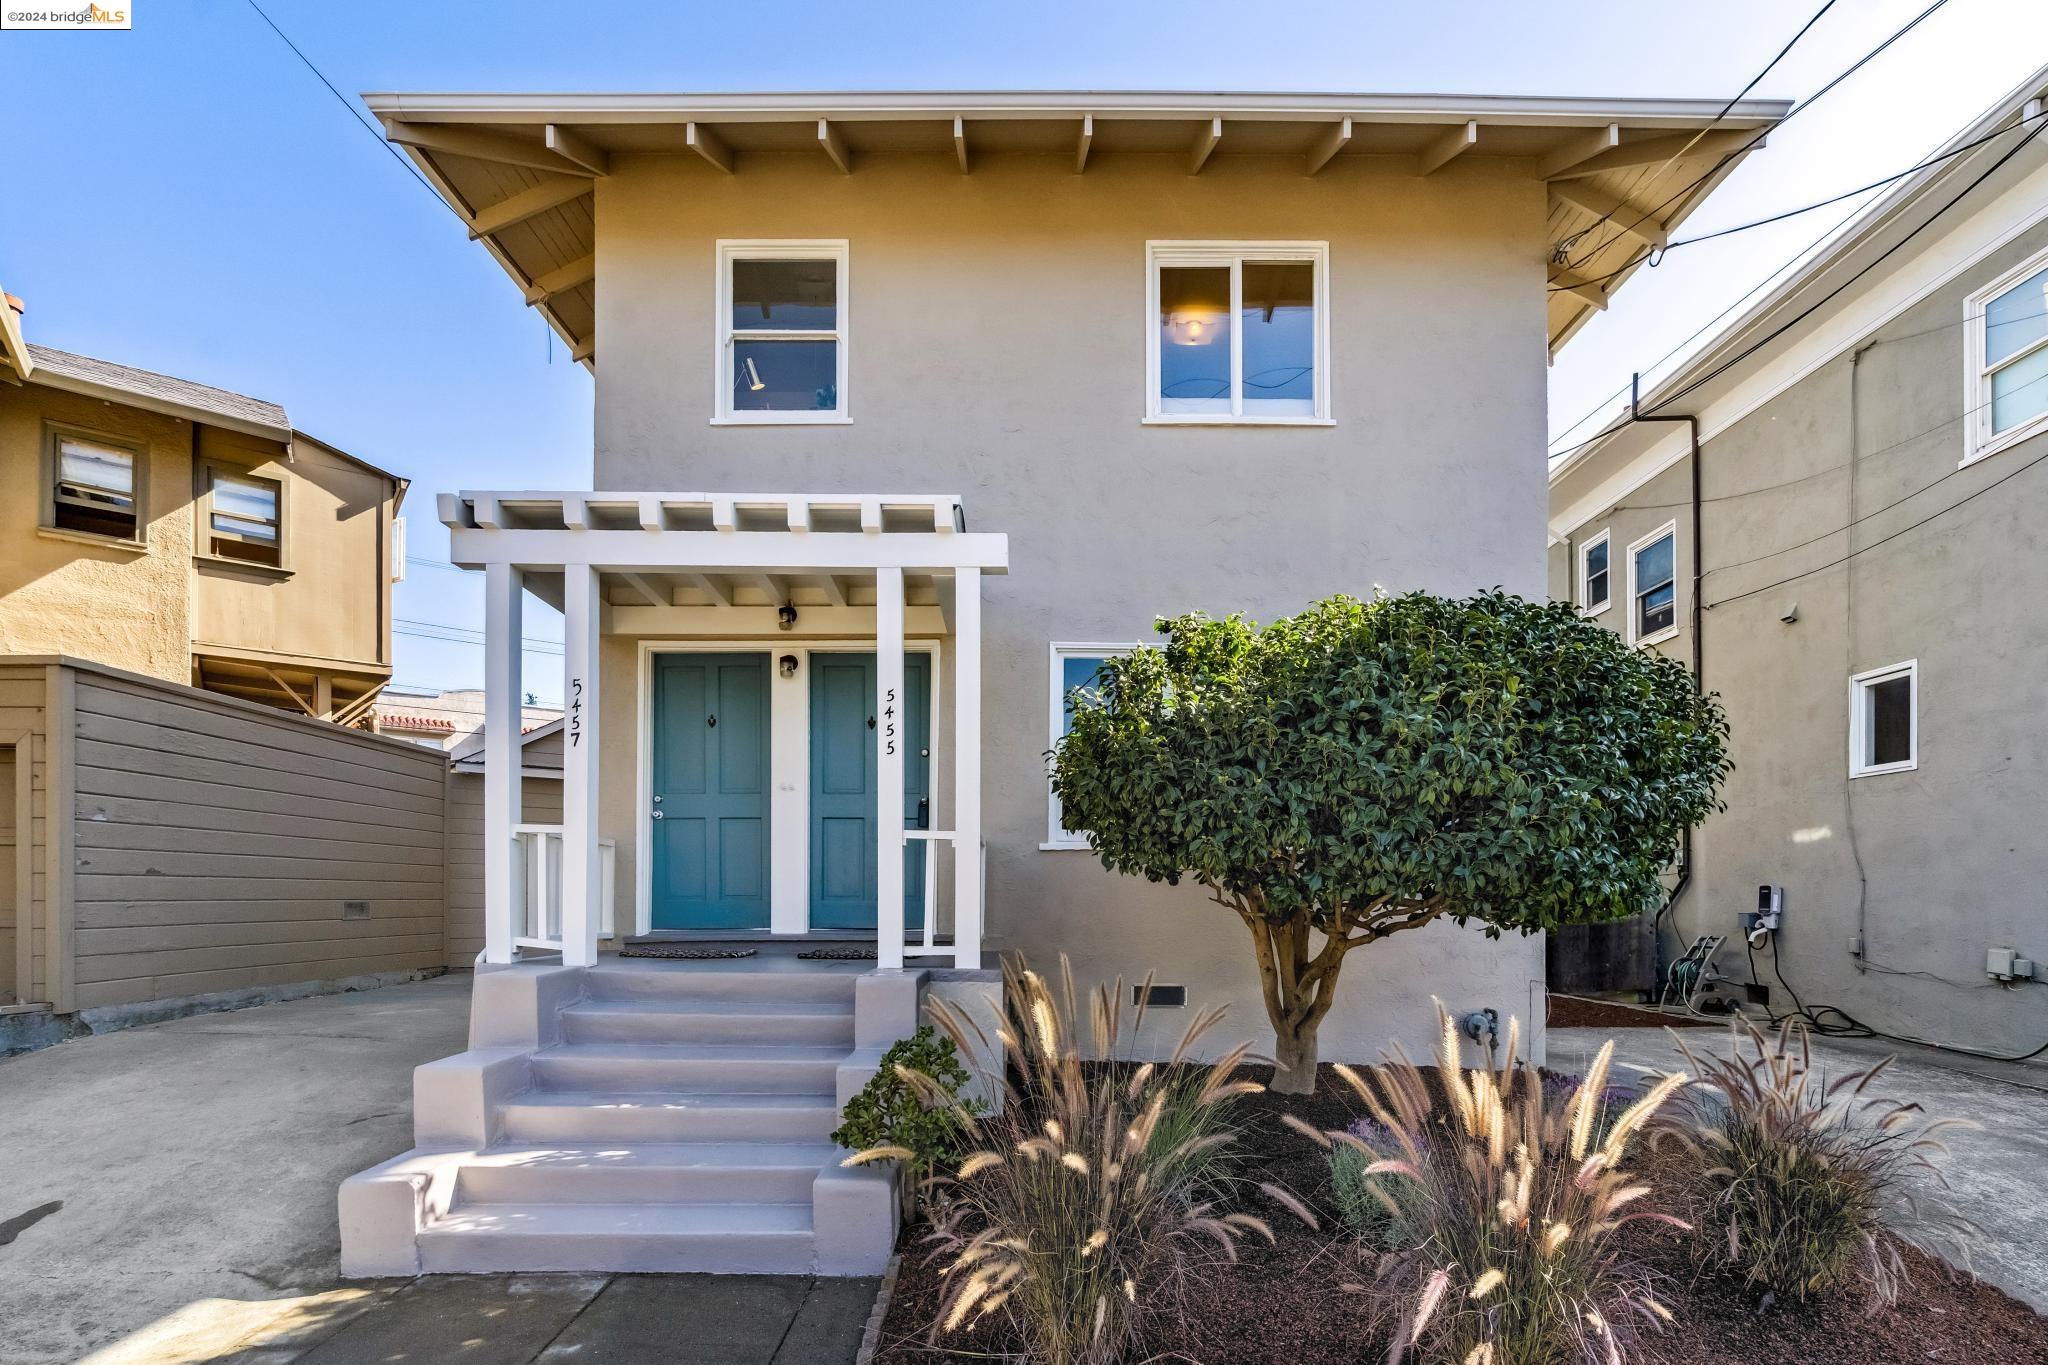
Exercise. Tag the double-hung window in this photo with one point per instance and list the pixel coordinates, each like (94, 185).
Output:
(1237, 332)
(781, 332)
(1884, 720)
(2006, 326)
(1594, 592)
(93, 487)
(1653, 586)
(1074, 669)
(244, 517)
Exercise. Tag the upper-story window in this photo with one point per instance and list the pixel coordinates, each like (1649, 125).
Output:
(94, 486)
(1653, 586)
(1238, 332)
(781, 332)
(1594, 592)
(2007, 327)
(244, 517)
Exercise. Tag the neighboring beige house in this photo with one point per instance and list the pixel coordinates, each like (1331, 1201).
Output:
(1854, 561)
(444, 719)
(181, 531)
(911, 408)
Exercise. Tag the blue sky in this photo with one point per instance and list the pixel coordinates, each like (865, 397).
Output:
(187, 197)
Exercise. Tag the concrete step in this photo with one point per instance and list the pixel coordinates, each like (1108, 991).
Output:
(732, 1239)
(657, 1173)
(688, 1067)
(712, 1020)
(585, 1116)
(760, 979)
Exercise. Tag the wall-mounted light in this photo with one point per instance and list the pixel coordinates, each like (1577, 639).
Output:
(785, 616)
(754, 381)
(787, 665)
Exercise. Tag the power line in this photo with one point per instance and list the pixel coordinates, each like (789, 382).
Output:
(466, 635)
(346, 102)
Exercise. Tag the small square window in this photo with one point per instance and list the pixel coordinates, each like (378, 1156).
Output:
(1239, 332)
(781, 332)
(244, 518)
(1884, 720)
(1594, 593)
(1653, 586)
(1074, 668)
(93, 488)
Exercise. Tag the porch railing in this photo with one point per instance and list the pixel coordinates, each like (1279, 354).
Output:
(537, 887)
(928, 945)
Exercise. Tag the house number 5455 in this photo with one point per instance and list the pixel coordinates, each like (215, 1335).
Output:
(889, 721)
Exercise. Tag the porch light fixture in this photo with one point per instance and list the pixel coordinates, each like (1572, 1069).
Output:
(785, 616)
(787, 665)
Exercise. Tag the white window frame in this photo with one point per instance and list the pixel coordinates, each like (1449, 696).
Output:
(1234, 255)
(1859, 718)
(779, 249)
(1635, 615)
(1056, 835)
(1978, 438)
(1591, 608)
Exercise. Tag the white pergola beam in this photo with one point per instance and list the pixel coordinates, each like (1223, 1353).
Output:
(1205, 145)
(835, 591)
(647, 590)
(967, 888)
(582, 781)
(834, 146)
(890, 742)
(551, 193)
(1087, 139)
(960, 141)
(482, 145)
(1578, 149)
(719, 593)
(572, 146)
(1443, 150)
(562, 279)
(708, 144)
(1620, 213)
(503, 691)
(1328, 145)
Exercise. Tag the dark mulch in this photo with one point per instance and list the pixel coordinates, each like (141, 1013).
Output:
(1282, 1305)
(1568, 1011)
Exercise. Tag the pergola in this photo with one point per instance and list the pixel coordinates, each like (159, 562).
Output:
(682, 558)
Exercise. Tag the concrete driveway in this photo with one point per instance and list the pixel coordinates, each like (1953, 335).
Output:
(1994, 1172)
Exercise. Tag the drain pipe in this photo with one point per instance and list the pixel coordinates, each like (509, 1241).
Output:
(1699, 658)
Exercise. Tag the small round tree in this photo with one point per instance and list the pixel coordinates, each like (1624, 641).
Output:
(1364, 768)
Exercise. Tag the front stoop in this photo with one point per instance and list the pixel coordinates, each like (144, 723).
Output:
(642, 1115)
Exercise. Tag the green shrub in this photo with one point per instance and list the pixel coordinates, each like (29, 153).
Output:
(1379, 1209)
(1807, 1188)
(912, 1109)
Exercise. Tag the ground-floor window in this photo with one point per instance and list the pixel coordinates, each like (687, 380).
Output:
(1074, 667)
(1884, 720)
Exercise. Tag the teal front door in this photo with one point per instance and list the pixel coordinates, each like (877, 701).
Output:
(844, 760)
(709, 824)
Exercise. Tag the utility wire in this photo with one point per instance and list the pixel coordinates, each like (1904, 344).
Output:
(346, 102)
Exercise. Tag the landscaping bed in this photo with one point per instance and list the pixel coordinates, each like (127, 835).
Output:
(1577, 1011)
(1284, 1303)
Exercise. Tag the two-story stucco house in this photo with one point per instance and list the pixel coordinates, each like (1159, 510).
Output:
(910, 408)
(1852, 559)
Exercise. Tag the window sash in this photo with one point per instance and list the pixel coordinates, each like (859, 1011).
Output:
(1057, 833)
(732, 254)
(1863, 719)
(1641, 589)
(1982, 434)
(1588, 602)
(1233, 256)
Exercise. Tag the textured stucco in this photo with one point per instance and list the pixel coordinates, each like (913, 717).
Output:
(1932, 866)
(998, 351)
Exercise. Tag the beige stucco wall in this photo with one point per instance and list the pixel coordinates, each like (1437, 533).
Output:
(60, 594)
(998, 326)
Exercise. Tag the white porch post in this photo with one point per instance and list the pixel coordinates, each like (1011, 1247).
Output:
(582, 864)
(967, 768)
(503, 626)
(889, 770)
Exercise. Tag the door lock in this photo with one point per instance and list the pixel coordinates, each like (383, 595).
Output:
(924, 812)
(657, 815)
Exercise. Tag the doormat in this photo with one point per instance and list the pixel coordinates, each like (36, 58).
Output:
(682, 952)
(856, 953)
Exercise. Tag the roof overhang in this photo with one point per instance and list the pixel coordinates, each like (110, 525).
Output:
(15, 362)
(520, 169)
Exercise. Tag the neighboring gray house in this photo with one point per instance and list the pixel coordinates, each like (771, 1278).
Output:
(1869, 599)
(910, 408)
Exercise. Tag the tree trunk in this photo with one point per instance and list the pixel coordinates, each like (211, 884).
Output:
(1294, 1050)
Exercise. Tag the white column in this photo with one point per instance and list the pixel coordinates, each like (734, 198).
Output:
(967, 913)
(503, 625)
(582, 864)
(889, 737)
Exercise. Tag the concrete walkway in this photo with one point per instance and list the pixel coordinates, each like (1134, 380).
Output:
(167, 1195)
(1994, 1172)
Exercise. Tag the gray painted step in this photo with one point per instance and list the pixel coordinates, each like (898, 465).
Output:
(657, 1173)
(721, 1067)
(623, 1116)
(662, 1020)
(734, 1239)
(760, 979)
